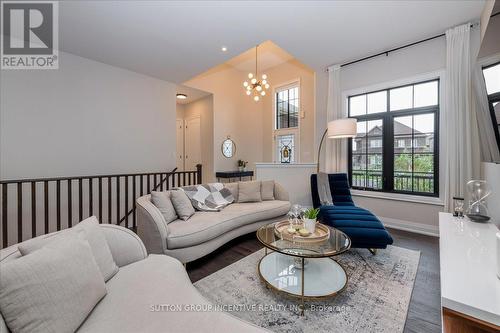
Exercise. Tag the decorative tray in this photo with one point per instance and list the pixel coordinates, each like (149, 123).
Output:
(321, 233)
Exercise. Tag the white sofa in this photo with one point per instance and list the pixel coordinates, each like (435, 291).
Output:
(141, 283)
(204, 232)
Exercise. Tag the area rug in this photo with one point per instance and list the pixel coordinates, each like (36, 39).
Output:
(376, 298)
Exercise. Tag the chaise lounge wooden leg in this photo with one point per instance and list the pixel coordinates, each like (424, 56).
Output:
(373, 251)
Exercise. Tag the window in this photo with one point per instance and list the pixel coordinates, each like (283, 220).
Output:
(286, 130)
(395, 149)
(492, 79)
(376, 143)
(286, 148)
(287, 107)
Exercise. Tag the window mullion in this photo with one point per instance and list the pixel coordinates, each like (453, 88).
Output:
(388, 153)
(412, 153)
(436, 153)
(288, 106)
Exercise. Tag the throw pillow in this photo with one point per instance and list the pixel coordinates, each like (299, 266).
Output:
(267, 190)
(52, 289)
(92, 233)
(233, 187)
(209, 197)
(249, 191)
(182, 204)
(162, 201)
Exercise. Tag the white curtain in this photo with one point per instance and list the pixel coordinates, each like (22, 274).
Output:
(489, 148)
(336, 150)
(462, 154)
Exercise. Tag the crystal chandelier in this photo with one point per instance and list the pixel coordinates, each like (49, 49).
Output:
(256, 87)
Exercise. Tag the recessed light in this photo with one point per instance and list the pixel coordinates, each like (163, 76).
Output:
(181, 96)
(224, 49)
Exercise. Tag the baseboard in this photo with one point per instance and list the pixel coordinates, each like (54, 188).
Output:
(418, 228)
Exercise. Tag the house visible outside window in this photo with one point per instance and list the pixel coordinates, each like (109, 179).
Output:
(396, 149)
(492, 80)
(286, 129)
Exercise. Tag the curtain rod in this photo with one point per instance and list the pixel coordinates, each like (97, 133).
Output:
(386, 53)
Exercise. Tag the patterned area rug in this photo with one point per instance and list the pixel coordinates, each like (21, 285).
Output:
(376, 298)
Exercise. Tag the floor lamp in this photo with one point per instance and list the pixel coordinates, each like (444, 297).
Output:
(338, 129)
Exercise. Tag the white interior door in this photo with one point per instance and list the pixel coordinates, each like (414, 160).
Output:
(180, 144)
(192, 143)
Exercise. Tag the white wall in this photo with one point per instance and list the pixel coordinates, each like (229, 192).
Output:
(85, 118)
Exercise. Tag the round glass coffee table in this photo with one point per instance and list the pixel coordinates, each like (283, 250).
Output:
(303, 270)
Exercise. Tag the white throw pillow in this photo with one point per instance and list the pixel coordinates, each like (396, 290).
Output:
(92, 233)
(267, 190)
(182, 204)
(249, 191)
(52, 289)
(164, 204)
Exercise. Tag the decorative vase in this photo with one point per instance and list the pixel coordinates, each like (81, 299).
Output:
(241, 169)
(310, 225)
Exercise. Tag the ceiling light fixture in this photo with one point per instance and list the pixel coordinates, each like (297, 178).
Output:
(224, 49)
(257, 88)
(181, 96)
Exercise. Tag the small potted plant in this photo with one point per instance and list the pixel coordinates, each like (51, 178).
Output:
(242, 165)
(310, 215)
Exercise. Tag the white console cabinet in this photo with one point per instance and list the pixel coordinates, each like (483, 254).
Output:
(470, 288)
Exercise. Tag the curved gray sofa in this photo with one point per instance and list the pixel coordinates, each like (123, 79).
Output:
(204, 232)
(141, 283)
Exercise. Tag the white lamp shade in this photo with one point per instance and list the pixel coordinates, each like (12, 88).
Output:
(342, 128)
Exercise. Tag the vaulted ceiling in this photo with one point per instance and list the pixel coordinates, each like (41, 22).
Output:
(177, 40)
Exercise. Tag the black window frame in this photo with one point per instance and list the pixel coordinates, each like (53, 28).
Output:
(493, 98)
(287, 88)
(388, 139)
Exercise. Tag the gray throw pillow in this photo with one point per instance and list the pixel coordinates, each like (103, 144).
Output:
(92, 233)
(53, 289)
(233, 187)
(267, 190)
(182, 204)
(162, 201)
(249, 191)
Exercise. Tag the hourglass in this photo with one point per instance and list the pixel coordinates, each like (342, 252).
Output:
(478, 191)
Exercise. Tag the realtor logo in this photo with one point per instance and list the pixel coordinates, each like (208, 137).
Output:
(29, 38)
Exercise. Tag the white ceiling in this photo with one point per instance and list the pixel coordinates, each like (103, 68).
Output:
(177, 40)
(191, 93)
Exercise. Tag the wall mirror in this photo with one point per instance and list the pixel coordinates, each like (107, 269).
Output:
(228, 148)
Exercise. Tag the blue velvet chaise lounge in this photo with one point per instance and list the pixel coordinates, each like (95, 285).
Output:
(364, 228)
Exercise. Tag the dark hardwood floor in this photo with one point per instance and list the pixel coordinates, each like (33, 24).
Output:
(424, 314)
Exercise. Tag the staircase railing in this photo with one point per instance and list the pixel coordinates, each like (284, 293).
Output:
(32, 207)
